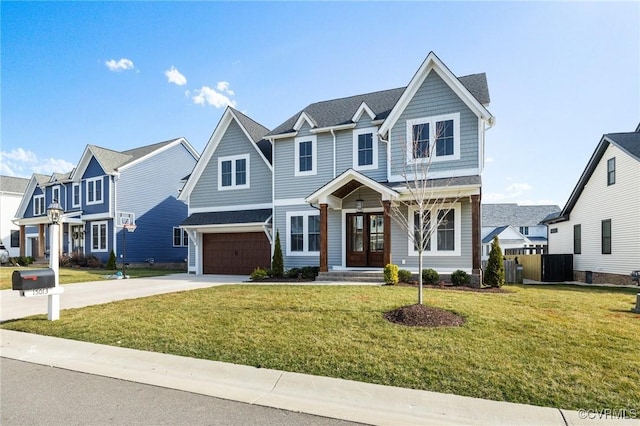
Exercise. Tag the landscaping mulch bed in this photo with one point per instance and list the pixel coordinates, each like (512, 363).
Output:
(423, 316)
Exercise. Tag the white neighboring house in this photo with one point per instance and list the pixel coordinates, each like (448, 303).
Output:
(600, 224)
(516, 226)
(11, 192)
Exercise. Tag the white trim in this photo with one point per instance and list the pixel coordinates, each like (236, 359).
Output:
(332, 128)
(433, 133)
(93, 180)
(300, 122)
(228, 208)
(361, 110)
(103, 215)
(434, 252)
(314, 155)
(227, 228)
(438, 174)
(305, 233)
(233, 159)
(183, 232)
(169, 145)
(75, 185)
(106, 232)
(289, 202)
(55, 188)
(323, 194)
(374, 141)
(38, 203)
(343, 241)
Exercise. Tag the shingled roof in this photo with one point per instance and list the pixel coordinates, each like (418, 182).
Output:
(256, 131)
(515, 215)
(16, 185)
(337, 112)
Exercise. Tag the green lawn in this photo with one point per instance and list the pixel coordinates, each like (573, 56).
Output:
(566, 347)
(71, 275)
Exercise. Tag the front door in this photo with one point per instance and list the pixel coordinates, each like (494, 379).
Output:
(365, 239)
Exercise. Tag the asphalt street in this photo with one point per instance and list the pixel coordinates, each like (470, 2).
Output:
(34, 394)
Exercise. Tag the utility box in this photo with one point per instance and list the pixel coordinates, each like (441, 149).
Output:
(33, 279)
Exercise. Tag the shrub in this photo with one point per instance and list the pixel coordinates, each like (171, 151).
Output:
(111, 263)
(310, 272)
(391, 274)
(460, 277)
(430, 276)
(494, 275)
(259, 274)
(277, 264)
(405, 276)
(294, 273)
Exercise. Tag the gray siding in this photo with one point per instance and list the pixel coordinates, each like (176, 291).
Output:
(434, 98)
(345, 152)
(234, 142)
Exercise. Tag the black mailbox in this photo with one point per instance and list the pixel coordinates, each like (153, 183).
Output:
(33, 279)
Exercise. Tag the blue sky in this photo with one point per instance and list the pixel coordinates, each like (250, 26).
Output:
(127, 74)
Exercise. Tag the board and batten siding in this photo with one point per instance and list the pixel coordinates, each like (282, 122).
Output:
(619, 202)
(234, 142)
(150, 190)
(436, 98)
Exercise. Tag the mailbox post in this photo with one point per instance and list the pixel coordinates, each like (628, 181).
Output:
(54, 213)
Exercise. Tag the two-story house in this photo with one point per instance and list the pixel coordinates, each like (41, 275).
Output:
(11, 192)
(600, 224)
(336, 169)
(106, 190)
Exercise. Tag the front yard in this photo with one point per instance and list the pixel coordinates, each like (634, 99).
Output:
(562, 346)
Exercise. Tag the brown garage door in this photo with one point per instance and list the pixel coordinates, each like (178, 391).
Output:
(235, 254)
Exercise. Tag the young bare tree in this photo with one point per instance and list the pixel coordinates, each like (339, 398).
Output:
(424, 204)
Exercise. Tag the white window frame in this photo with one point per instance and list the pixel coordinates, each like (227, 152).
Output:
(305, 234)
(457, 223)
(106, 237)
(39, 208)
(431, 121)
(314, 152)
(57, 198)
(93, 181)
(374, 141)
(233, 159)
(76, 187)
(184, 237)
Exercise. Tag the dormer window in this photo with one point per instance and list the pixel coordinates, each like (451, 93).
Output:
(305, 156)
(365, 149)
(233, 172)
(433, 138)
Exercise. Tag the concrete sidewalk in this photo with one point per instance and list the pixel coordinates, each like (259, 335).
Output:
(335, 398)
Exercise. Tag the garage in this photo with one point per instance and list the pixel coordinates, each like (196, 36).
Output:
(235, 253)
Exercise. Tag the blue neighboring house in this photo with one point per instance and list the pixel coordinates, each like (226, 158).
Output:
(332, 177)
(105, 190)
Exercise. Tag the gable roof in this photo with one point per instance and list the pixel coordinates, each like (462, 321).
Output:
(339, 112)
(253, 131)
(12, 184)
(501, 229)
(496, 231)
(235, 217)
(628, 142)
(513, 214)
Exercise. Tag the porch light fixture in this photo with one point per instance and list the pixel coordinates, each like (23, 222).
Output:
(359, 203)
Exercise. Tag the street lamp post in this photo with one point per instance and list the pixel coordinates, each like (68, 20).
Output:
(54, 213)
(126, 228)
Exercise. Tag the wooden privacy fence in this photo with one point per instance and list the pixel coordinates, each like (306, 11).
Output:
(531, 263)
(509, 270)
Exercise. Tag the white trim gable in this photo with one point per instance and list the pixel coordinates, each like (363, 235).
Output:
(29, 192)
(433, 63)
(361, 110)
(209, 150)
(301, 120)
(170, 145)
(323, 195)
(84, 163)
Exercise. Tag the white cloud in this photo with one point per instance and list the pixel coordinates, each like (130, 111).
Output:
(489, 160)
(121, 65)
(174, 76)
(223, 86)
(21, 163)
(208, 96)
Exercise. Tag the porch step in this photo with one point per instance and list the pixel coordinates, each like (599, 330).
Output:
(351, 276)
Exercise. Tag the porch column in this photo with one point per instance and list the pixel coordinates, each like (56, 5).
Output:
(386, 254)
(23, 240)
(324, 263)
(476, 251)
(41, 242)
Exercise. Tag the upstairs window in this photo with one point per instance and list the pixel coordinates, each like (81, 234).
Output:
(94, 191)
(75, 194)
(524, 230)
(611, 171)
(233, 172)
(433, 138)
(305, 156)
(38, 205)
(365, 149)
(55, 194)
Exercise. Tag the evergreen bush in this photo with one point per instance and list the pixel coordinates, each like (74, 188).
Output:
(460, 277)
(430, 276)
(111, 263)
(277, 264)
(405, 276)
(391, 274)
(494, 274)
